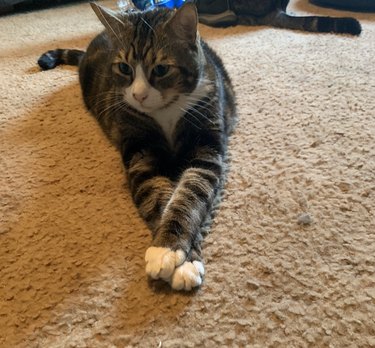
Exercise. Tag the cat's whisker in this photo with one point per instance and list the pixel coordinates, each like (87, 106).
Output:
(200, 102)
(186, 112)
(128, 108)
(120, 107)
(109, 93)
(196, 97)
(191, 122)
(112, 105)
(106, 96)
(104, 101)
(101, 75)
(204, 79)
(203, 115)
(194, 107)
(144, 21)
(197, 94)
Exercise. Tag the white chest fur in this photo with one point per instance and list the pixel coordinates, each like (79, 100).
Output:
(168, 117)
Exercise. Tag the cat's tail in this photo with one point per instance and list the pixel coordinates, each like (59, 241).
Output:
(53, 58)
(280, 19)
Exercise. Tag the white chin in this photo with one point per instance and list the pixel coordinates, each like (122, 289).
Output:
(144, 109)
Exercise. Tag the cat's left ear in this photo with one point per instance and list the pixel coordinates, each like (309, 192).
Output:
(184, 23)
(108, 17)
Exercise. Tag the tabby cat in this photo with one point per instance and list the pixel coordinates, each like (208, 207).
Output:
(165, 100)
(273, 13)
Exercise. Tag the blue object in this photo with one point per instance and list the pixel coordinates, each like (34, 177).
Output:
(164, 3)
(149, 4)
(178, 3)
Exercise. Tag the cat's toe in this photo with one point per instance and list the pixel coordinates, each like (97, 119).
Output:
(187, 276)
(161, 262)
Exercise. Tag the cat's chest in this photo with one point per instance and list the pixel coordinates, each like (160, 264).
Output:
(167, 119)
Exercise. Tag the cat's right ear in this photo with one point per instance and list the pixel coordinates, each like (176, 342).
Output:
(108, 17)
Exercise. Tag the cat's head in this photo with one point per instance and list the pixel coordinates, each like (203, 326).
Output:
(156, 54)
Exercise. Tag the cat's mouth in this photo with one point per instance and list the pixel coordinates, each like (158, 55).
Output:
(147, 109)
(144, 108)
(153, 103)
(140, 106)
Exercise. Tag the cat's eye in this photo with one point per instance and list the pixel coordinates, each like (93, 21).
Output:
(160, 70)
(125, 69)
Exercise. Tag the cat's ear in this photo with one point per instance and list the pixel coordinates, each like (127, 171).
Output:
(108, 17)
(184, 23)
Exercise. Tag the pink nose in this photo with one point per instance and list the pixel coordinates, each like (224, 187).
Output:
(140, 97)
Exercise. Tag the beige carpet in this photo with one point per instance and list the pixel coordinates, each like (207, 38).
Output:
(72, 244)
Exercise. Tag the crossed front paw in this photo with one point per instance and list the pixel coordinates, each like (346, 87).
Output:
(172, 266)
(187, 276)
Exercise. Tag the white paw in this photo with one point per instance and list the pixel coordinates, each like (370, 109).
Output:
(161, 262)
(187, 276)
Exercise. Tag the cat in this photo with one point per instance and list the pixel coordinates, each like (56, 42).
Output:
(273, 13)
(164, 98)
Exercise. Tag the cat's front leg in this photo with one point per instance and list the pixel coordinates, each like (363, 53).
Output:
(178, 237)
(151, 191)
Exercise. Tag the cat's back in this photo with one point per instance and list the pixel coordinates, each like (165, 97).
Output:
(224, 92)
(214, 59)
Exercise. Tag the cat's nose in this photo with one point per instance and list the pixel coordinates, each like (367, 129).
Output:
(141, 97)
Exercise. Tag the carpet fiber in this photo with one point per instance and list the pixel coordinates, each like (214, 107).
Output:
(72, 244)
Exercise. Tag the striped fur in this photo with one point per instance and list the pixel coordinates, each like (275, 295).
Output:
(174, 178)
(53, 58)
(273, 13)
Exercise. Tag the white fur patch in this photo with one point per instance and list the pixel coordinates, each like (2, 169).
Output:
(140, 85)
(187, 276)
(161, 262)
(168, 117)
(142, 88)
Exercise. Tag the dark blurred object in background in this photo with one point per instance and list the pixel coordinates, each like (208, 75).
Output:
(353, 5)
(8, 6)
